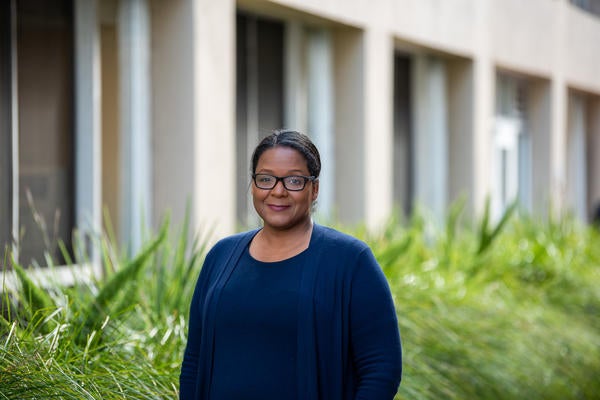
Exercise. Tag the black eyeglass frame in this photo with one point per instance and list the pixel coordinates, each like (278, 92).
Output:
(282, 179)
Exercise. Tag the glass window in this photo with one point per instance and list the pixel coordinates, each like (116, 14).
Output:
(512, 146)
(591, 6)
(403, 163)
(259, 97)
(5, 127)
(43, 95)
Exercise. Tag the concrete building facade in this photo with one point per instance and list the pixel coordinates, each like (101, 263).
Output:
(140, 107)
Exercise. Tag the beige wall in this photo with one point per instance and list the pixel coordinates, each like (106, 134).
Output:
(174, 133)
(349, 123)
(193, 112)
(549, 42)
(525, 33)
(581, 50)
(214, 107)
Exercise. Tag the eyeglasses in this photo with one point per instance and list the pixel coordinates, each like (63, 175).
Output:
(293, 183)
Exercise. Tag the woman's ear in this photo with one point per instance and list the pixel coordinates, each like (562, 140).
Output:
(315, 189)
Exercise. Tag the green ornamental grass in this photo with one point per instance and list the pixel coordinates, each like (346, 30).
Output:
(506, 309)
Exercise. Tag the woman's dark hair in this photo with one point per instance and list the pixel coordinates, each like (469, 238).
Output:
(294, 140)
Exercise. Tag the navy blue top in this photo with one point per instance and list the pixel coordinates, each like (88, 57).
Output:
(255, 331)
(348, 344)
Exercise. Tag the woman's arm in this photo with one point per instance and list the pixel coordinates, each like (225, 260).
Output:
(374, 335)
(189, 368)
(188, 379)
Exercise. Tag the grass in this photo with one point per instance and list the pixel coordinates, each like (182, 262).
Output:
(487, 310)
(518, 319)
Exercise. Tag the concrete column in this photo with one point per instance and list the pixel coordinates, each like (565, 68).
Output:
(295, 78)
(214, 107)
(88, 143)
(378, 134)
(483, 107)
(558, 112)
(320, 113)
(134, 63)
(173, 135)
(558, 140)
(351, 178)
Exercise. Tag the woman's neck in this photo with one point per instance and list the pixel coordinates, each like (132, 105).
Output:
(276, 245)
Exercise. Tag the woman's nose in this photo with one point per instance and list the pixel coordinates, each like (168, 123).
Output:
(279, 188)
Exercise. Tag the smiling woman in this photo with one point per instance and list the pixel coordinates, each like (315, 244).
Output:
(292, 310)
(279, 207)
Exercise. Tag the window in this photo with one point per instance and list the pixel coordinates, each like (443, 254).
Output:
(591, 6)
(260, 94)
(403, 162)
(583, 155)
(5, 126)
(576, 192)
(36, 127)
(285, 79)
(511, 146)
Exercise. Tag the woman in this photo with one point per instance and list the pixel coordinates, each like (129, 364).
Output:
(293, 310)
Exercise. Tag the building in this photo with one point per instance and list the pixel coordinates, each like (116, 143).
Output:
(141, 106)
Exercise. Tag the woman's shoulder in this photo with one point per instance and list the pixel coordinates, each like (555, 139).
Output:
(342, 252)
(228, 243)
(330, 237)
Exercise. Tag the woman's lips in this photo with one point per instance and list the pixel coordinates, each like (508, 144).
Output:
(276, 207)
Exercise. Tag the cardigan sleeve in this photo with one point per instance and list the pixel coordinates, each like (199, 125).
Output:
(189, 368)
(374, 335)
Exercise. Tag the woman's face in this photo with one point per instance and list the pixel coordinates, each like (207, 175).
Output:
(280, 208)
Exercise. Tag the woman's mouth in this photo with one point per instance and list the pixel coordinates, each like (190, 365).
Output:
(276, 207)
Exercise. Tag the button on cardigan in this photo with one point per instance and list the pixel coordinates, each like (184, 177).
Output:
(348, 343)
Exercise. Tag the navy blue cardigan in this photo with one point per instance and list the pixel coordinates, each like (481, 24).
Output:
(348, 338)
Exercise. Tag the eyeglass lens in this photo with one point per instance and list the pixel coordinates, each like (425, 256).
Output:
(264, 181)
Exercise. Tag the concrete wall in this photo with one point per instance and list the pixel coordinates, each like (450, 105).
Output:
(547, 42)
(174, 132)
(193, 111)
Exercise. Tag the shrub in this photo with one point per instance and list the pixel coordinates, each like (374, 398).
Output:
(503, 310)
